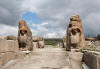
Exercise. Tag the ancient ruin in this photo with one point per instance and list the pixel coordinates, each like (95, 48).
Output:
(24, 36)
(35, 41)
(38, 42)
(98, 36)
(64, 41)
(41, 42)
(9, 37)
(75, 36)
(8, 49)
(16, 52)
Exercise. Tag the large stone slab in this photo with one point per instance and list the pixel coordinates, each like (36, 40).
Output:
(92, 59)
(5, 57)
(8, 45)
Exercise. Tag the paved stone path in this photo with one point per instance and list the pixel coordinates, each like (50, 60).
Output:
(46, 58)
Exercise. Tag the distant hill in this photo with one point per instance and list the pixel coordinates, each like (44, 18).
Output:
(52, 41)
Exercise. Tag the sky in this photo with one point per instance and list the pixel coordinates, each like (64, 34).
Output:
(49, 18)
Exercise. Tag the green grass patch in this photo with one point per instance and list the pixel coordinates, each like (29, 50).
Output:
(52, 41)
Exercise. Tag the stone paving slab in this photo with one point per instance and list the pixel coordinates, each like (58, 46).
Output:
(47, 58)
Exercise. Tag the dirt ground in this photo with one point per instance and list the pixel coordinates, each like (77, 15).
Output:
(46, 58)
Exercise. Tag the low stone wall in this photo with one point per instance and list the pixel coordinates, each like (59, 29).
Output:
(8, 50)
(41, 44)
(38, 42)
(92, 59)
(35, 45)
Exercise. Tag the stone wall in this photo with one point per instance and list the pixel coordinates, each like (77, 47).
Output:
(38, 42)
(35, 44)
(92, 59)
(8, 50)
(64, 41)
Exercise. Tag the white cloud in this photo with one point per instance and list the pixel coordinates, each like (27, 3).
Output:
(34, 32)
(51, 35)
(54, 14)
(7, 30)
(33, 25)
(44, 23)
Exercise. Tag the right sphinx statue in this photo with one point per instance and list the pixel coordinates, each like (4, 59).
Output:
(75, 36)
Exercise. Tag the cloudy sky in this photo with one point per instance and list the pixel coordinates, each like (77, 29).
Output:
(49, 18)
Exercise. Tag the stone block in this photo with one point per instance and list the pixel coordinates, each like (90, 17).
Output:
(92, 59)
(5, 57)
(8, 45)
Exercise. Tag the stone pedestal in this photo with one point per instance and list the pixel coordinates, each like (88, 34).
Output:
(92, 59)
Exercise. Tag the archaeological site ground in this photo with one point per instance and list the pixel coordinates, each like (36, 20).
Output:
(72, 51)
(49, 34)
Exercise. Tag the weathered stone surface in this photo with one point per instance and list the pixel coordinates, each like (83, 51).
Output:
(46, 58)
(41, 42)
(10, 37)
(90, 39)
(64, 41)
(8, 48)
(75, 36)
(92, 59)
(76, 60)
(36, 44)
(35, 38)
(5, 57)
(2, 59)
(98, 36)
(3, 37)
(3, 46)
(20, 55)
(35, 41)
(98, 65)
(24, 36)
(8, 45)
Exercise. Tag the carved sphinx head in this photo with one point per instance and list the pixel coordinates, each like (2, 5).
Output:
(22, 31)
(75, 18)
(74, 34)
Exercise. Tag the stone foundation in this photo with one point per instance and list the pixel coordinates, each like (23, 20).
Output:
(8, 50)
(92, 59)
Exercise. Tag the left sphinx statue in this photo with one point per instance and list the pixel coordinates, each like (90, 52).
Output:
(24, 36)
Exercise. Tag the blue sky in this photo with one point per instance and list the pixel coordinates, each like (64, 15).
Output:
(31, 18)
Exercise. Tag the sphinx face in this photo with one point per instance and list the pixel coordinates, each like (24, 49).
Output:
(23, 36)
(75, 36)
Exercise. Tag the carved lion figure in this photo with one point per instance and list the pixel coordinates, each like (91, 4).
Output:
(24, 36)
(75, 36)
